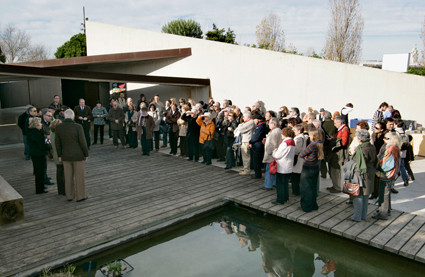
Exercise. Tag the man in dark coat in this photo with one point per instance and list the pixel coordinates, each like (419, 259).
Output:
(72, 150)
(257, 146)
(116, 117)
(22, 119)
(84, 117)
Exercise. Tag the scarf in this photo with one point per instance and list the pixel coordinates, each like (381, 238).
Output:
(360, 160)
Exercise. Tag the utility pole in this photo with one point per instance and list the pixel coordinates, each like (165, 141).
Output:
(84, 21)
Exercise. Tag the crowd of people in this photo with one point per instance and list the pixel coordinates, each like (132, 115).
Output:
(287, 146)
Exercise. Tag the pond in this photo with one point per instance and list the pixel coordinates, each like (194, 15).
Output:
(236, 241)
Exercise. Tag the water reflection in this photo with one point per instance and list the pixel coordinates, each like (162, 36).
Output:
(237, 242)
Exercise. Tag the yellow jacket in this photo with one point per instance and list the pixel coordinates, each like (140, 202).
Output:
(207, 130)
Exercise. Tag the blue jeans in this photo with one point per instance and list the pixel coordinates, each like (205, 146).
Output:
(269, 179)
(360, 204)
(403, 171)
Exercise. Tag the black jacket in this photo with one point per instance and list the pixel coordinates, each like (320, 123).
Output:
(259, 134)
(193, 128)
(36, 142)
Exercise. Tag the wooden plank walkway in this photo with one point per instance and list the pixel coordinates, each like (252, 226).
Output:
(130, 194)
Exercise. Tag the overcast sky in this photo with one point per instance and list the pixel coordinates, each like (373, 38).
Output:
(391, 26)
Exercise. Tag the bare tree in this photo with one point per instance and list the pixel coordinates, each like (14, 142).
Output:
(270, 34)
(344, 38)
(37, 53)
(16, 46)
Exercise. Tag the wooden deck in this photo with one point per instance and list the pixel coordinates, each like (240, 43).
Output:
(130, 195)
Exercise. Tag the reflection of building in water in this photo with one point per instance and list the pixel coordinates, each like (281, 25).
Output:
(281, 255)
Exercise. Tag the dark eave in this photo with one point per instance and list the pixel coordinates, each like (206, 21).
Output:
(112, 58)
(12, 71)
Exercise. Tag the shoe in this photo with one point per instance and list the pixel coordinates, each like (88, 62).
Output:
(349, 202)
(329, 188)
(332, 190)
(163, 146)
(255, 177)
(49, 183)
(69, 200)
(204, 162)
(189, 159)
(324, 177)
(208, 163)
(264, 188)
(412, 178)
(393, 190)
(379, 216)
(276, 203)
(244, 173)
(44, 191)
(228, 167)
(85, 198)
(221, 160)
(406, 183)
(373, 196)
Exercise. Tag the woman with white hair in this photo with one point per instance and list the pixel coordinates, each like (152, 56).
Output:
(273, 140)
(387, 171)
(365, 157)
(38, 151)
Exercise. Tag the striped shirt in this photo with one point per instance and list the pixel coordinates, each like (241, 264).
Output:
(310, 154)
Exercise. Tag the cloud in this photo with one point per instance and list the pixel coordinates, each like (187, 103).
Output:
(390, 25)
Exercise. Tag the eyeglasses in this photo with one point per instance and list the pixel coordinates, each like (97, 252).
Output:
(386, 138)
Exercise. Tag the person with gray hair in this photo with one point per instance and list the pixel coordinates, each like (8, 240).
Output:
(246, 129)
(72, 150)
(339, 154)
(365, 158)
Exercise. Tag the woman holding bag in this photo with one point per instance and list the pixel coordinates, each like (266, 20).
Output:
(365, 157)
(273, 140)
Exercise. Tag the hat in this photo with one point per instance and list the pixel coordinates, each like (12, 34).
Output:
(207, 115)
(322, 109)
(258, 116)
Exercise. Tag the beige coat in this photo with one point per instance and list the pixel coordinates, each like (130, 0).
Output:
(273, 140)
(182, 127)
(133, 119)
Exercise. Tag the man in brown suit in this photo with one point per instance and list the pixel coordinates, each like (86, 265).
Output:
(84, 117)
(72, 150)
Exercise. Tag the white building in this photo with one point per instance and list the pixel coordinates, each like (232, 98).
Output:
(245, 74)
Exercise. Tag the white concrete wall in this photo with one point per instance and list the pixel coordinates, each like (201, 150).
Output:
(245, 75)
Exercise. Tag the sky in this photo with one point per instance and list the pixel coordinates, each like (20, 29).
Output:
(390, 26)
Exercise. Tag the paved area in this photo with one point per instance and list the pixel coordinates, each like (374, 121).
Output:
(131, 195)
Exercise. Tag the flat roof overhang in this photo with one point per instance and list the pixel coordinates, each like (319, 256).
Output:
(14, 72)
(111, 58)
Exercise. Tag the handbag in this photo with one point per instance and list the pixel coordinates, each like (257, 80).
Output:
(273, 167)
(351, 189)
